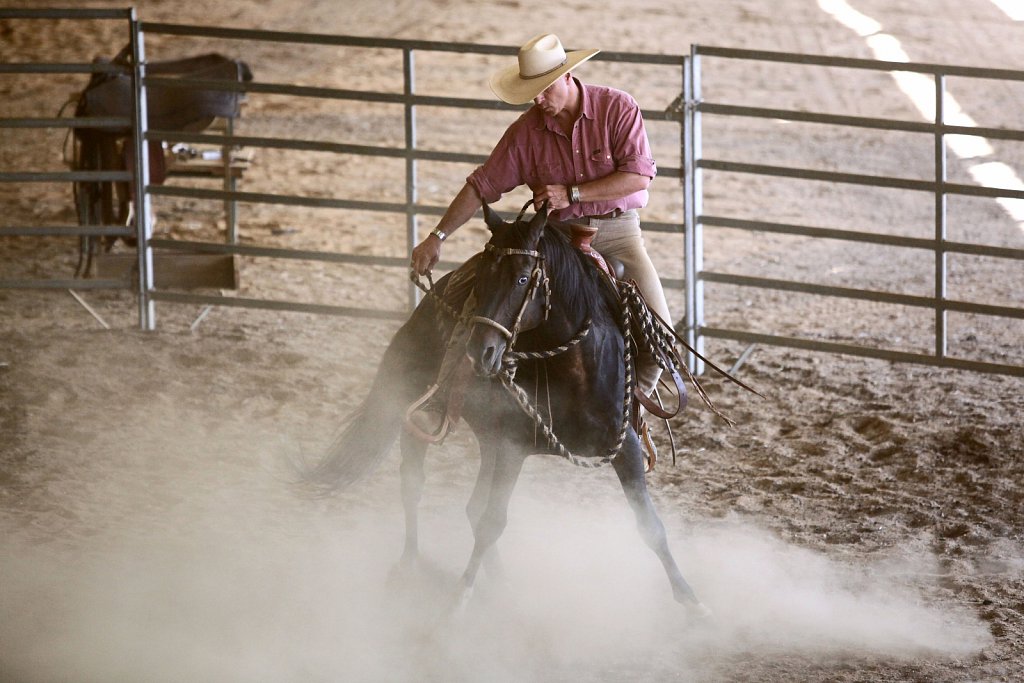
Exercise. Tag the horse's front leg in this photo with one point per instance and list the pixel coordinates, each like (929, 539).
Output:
(413, 454)
(630, 469)
(507, 463)
(478, 503)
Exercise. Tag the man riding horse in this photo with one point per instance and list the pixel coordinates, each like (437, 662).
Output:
(583, 150)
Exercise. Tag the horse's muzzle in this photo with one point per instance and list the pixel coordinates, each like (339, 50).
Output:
(485, 348)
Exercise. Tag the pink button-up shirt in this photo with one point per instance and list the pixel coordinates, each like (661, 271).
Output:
(608, 136)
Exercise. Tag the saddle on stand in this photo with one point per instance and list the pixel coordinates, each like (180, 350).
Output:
(170, 108)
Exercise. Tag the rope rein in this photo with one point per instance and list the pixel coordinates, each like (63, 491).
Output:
(652, 332)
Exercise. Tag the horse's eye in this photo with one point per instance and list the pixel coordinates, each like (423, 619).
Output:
(522, 281)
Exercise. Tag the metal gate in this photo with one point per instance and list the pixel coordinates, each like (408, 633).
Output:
(938, 130)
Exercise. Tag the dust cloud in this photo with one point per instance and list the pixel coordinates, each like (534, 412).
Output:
(214, 570)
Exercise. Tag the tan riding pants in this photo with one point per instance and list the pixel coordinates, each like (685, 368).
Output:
(620, 238)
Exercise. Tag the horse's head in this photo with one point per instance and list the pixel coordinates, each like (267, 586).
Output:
(511, 288)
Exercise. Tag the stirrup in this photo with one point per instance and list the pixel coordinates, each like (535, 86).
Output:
(650, 451)
(416, 407)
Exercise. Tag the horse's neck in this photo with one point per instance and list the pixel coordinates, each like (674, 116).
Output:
(567, 319)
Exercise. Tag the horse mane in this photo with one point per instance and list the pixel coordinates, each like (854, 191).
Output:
(576, 278)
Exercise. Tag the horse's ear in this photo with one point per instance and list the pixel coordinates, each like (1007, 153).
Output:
(492, 219)
(537, 223)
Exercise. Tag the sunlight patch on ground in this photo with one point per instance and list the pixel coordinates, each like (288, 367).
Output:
(920, 88)
(1011, 8)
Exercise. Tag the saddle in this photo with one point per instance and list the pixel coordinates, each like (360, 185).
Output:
(168, 107)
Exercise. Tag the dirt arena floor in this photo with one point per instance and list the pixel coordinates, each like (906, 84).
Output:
(863, 523)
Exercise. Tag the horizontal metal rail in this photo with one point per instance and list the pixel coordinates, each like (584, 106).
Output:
(317, 92)
(67, 231)
(863, 351)
(272, 305)
(14, 13)
(862, 64)
(858, 121)
(865, 237)
(861, 294)
(339, 148)
(316, 256)
(315, 146)
(65, 284)
(67, 176)
(280, 253)
(859, 179)
(384, 43)
(332, 203)
(286, 199)
(77, 122)
(72, 68)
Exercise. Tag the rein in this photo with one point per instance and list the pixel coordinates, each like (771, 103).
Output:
(657, 337)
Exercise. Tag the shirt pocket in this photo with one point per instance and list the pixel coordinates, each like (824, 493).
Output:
(600, 162)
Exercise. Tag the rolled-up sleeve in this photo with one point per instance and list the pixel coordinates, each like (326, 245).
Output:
(631, 148)
(501, 173)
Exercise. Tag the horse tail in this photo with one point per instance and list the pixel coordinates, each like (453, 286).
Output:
(409, 365)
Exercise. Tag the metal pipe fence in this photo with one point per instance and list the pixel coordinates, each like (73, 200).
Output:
(410, 152)
(688, 112)
(939, 186)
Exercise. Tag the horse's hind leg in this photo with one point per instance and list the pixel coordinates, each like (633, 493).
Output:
(630, 469)
(413, 454)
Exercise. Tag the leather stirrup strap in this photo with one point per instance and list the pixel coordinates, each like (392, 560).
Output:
(656, 409)
(411, 427)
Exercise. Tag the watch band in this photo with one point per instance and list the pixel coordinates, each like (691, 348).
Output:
(439, 234)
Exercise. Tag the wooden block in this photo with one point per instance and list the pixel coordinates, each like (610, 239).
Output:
(175, 270)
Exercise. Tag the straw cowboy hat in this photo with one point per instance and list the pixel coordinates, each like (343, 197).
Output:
(542, 60)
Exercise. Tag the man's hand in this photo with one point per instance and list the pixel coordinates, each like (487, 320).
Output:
(426, 254)
(557, 196)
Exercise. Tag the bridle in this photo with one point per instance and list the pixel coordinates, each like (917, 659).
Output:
(538, 280)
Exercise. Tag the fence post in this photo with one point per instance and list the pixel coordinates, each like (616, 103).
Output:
(412, 233)
(940, 219)
(143, 230)
(692, 189)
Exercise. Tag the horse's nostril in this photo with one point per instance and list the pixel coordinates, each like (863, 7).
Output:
(488, 356)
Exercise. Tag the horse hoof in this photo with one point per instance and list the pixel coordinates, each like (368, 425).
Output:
(404, 570)
(700, 613)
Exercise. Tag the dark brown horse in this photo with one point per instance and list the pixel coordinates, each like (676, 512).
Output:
(569, 336)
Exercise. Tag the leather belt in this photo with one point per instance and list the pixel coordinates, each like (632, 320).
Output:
(614, 213)
(586, 220)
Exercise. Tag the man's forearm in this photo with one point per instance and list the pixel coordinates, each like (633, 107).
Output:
(462, 208)
(613, 186)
